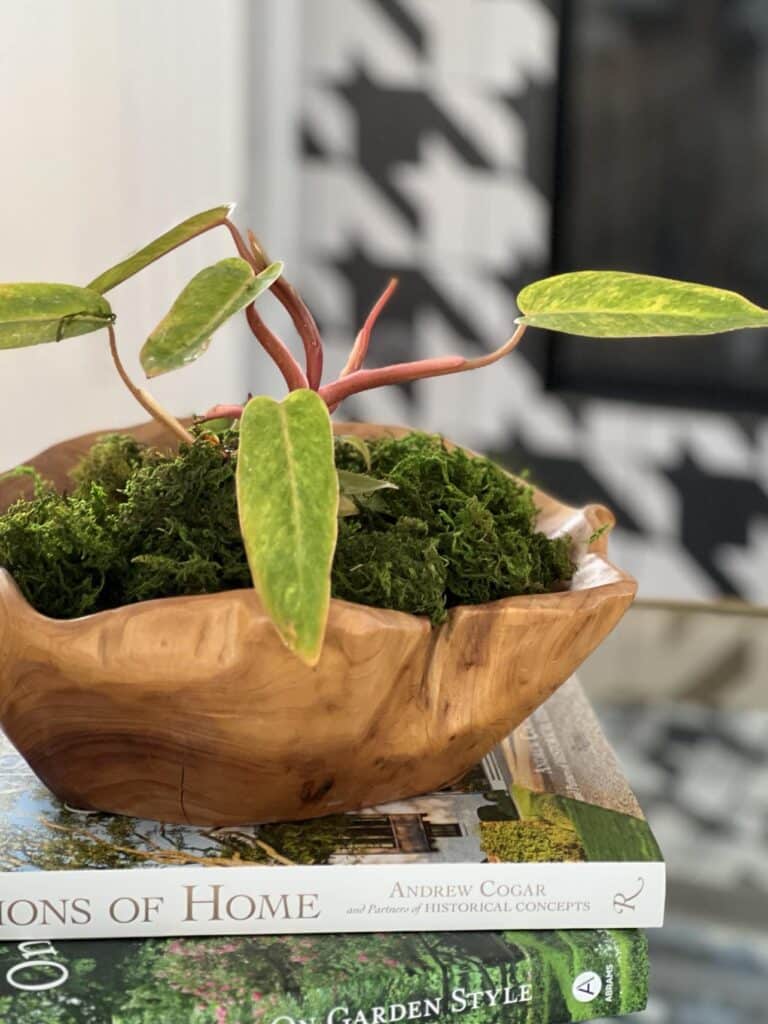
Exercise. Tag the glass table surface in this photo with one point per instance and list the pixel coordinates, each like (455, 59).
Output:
(682, 692)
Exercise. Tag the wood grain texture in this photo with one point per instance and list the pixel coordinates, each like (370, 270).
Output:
(191, 710)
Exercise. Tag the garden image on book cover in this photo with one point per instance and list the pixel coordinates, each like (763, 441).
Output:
(474, 977)
(528, 801)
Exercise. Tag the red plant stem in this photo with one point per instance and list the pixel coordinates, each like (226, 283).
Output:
(363, 339)
(292, 373)
(279, 352)
(257, 249)
(294, 305)
(299, 313)
(275, 348)
(499, 353)
(364, 380)
(307, 330)
(223, 412)
(242, 248)
(398, 373)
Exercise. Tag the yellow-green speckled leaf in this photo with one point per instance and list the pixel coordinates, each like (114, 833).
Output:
(33, 314)
(360, 483)
(288, 498)
(178, 235)
(607, 304)
(210, 298)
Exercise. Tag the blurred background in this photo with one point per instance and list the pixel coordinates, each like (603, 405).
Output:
(468, 146)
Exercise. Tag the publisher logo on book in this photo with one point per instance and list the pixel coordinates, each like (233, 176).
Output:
(622, 902)
(587, 987)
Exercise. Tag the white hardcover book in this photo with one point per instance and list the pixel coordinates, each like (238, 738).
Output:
(544, 834)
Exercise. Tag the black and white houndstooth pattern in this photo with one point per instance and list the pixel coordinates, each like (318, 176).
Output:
(426, 141)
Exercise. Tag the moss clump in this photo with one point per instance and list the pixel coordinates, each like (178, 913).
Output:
(61, 551)
(468, 514)
(111, 462)
(139, 524)
(529, 841)
(398, 568)
(179, 527)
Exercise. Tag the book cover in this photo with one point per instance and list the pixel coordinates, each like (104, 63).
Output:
(545, 833)
(386, 978)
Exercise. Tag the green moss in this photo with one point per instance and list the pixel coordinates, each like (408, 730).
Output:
(399, 567)
(111, 462)
(62, 552)
(179, 526)
(478, 520)
(139, 525)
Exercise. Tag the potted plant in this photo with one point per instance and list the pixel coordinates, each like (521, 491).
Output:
(464, 597)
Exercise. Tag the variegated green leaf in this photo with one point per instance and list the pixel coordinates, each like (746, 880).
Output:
(359, 444)
(210, 298)
(32, 314)
(177, 236)
(220, 425)
(347, 507)
(353, 485)
(358, 483)
(607, 304)
(288, 497)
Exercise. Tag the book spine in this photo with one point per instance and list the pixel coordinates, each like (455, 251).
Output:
(331, 898)
(477, 978)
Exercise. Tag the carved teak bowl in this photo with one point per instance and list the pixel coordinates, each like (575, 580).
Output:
(191, 710)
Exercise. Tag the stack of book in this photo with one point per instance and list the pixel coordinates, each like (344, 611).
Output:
(518, 894)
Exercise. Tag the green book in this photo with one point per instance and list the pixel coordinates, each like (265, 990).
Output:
(515, 977)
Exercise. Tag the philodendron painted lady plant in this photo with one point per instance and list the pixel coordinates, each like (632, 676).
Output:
(290, 491)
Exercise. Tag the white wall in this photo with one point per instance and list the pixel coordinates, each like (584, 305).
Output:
(118, 119)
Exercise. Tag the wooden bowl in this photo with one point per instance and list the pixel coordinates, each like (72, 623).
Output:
(191, 710)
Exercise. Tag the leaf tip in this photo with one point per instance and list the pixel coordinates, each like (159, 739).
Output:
(272, 272)
(307, 650)
(309, 658)
(149, 364)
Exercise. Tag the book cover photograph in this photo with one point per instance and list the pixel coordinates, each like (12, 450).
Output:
(513, 841)
(472, 977)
